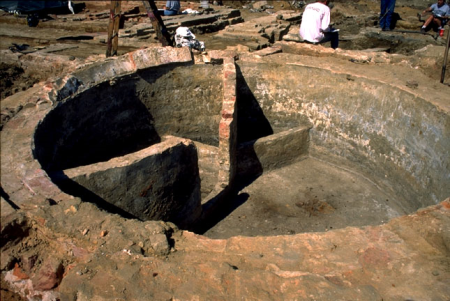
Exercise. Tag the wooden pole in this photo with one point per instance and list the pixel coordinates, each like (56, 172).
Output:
(110, 29)
(117, 15)
(113, 28)
(445, 58)
(157, 23)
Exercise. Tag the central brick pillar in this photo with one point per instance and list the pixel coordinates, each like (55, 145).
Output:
(228, 126)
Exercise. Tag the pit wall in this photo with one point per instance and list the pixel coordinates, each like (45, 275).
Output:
(399, 140)
(104, 122)
(398, 154)
(208, 165)
(272, 152)
(185, 101)
(130, 113)
(23, 178)
(126, 115)
(160, 182)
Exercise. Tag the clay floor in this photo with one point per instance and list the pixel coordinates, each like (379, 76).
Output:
(308, 231)
(308, 196)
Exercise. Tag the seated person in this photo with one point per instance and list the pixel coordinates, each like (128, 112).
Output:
(172, 8)
(315, 27)
(440, 15)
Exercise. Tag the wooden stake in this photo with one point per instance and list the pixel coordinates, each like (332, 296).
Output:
(113, 28)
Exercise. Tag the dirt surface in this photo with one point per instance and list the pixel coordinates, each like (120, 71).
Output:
(8, 295)
(13, 79)
(106, 257)
(55, 29)
(76, 34)
(308, 196)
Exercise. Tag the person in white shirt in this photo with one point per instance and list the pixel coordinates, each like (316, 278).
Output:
(315, 27)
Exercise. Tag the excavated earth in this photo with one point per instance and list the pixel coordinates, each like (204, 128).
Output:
(333, 185)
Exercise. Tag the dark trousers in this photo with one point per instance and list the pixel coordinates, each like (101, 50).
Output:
(333, 37)
(387, 9)
(170, 12)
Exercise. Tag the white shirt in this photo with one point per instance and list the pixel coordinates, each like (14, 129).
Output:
(316, 17)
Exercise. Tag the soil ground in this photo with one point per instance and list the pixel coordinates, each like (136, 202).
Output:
(308, 196)
(16, 31)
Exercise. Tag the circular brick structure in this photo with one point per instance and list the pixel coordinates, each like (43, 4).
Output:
(152, 119)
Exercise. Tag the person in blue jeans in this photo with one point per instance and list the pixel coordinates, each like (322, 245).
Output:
(387, 9)
(172, 8)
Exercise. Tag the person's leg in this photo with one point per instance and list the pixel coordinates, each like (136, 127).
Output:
(169, 13)
(333, 37)
(389, 11)
(427, 22)
(383, 12)
(438, 22)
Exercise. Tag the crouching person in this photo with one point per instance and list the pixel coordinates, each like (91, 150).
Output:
(315, 26)
(440, 13)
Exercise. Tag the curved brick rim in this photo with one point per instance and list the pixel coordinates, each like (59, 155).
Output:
(24, 181)
(22, 177)
(27, 184)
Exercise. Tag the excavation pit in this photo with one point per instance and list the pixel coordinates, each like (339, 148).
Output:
(258, 146)
(291, 143)
(306, 166)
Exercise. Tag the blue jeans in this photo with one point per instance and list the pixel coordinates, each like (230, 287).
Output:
(170, 12)
(331, 36)
(387, 8)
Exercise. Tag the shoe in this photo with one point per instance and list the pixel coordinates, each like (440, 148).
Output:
(386, 29)
(422, 30)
